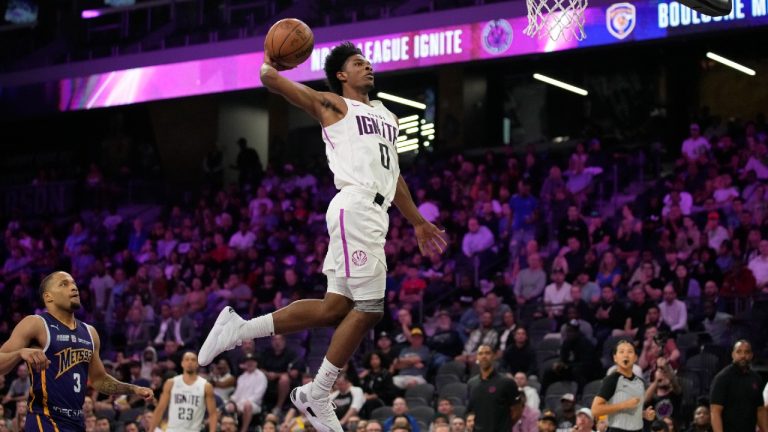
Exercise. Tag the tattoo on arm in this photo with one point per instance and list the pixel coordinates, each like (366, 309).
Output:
(109, 385)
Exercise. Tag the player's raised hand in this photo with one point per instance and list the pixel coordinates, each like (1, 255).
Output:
(35, 357)
(146, 393)
(274, 64)
(430, 238)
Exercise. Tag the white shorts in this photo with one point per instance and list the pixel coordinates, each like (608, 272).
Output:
(355, 265)
(241, 406)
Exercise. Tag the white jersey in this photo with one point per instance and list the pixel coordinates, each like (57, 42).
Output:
(361, 149)
(186, 410)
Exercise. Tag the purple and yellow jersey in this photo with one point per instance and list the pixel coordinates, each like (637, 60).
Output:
(57, 393)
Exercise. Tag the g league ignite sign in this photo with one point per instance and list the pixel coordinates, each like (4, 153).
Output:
(605, 24)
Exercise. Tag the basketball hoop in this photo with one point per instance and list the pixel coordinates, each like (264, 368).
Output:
(556, 19)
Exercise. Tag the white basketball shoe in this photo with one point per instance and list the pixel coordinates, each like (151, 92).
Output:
(224, 336)
(319, 412)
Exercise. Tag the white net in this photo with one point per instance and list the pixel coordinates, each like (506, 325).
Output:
(556, 19)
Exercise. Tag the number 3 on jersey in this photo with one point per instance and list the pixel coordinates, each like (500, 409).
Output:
(384, 155)
(77, 386)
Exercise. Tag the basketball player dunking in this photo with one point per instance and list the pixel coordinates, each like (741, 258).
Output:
(360, 136)
(188, 396)
(63, 358)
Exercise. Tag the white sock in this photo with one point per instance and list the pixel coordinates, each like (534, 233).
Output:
(258, 327)
(326, 376)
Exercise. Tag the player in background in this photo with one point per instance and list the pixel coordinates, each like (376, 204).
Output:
(186, 397)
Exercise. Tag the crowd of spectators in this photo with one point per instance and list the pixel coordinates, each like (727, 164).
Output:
(535, 269)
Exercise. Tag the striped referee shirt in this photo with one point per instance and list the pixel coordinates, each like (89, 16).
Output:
(618, 388)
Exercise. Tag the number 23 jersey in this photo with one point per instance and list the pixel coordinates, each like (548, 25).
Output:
(361, 148)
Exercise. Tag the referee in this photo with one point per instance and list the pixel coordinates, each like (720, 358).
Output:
(621, 394)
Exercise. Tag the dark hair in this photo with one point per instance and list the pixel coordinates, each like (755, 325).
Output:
(335, 62)
(367, 360)
(44, 285)
(234, 417)
(621, 341)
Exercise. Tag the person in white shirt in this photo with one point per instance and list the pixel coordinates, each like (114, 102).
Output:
(255, 209)
(758, 162)
(477, 240)
(167, 245)
(349, 399)
(696, 144)
(715, 232)
(222, 379)
(428, 207)
(725, 191)
(531, 395)
(678, 196)
(557, 294)
(101, 285)
(243, 239)
(759, 266)
(673, 311)
(249, 392)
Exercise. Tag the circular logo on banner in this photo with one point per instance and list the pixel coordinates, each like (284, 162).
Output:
(497, 36)
(359, 258)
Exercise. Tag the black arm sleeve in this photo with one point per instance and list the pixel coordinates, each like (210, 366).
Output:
(608, 388)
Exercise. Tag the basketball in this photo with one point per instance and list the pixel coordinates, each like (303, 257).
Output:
(289, 42)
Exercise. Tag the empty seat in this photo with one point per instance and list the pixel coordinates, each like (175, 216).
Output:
(382, 413)
(425, 392)
(456, 368)
(454, 390)
(422, 413)
(444, 379)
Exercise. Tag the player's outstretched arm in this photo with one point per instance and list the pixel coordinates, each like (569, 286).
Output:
(162, 405)
(431, 239)
(104, 382)
(28, 332)
(325, 107)
(210, 403)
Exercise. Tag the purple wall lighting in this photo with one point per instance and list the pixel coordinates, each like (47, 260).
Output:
(608, 23)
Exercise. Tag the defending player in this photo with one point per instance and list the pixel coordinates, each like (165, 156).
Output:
(62, 353)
